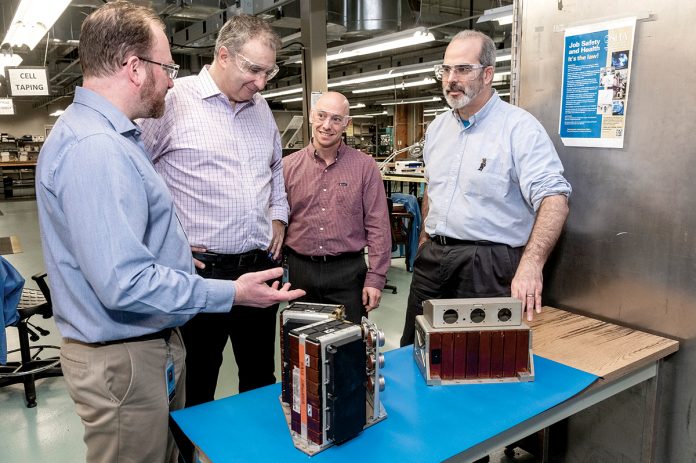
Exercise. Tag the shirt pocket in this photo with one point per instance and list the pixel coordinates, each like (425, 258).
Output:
(490, 181)
(348, 199)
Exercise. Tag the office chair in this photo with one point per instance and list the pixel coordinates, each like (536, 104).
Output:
(401, 222)
(31, 367)
(399, 234)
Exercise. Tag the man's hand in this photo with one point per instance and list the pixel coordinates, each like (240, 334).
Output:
(252, 290)
(371, 298)
(197, 262)
(422, 238)
(529, 280)
(277, 239)
(527, 285)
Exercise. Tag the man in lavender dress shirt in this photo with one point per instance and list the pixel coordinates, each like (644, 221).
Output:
(218, 149)
(337, 207)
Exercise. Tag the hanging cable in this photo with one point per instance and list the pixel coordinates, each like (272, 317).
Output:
(48, 40)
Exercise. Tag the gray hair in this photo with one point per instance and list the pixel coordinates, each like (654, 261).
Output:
(239, 29)
(488, 49)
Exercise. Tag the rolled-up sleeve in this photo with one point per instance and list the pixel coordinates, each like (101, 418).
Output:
(538, 167)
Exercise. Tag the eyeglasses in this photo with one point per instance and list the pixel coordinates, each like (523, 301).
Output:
(335, 119)
(251, 68)
(171, 69)
(444, 71)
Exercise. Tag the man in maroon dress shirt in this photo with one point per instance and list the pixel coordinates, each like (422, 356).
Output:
(337, 207)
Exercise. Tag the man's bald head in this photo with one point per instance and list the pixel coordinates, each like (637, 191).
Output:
(329, 119)
(333, 102)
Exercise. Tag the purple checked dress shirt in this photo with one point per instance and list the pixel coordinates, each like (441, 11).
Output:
(222, 163)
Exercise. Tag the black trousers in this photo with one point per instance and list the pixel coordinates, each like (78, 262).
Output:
(337, 281)
(458, 271)
(250, 329)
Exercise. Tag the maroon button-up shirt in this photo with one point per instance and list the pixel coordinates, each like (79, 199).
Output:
(338, 208)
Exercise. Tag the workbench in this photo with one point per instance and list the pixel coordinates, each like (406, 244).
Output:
(579, 361)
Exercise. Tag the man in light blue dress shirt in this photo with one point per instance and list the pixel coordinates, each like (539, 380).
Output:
(496, 199)
(119, 264)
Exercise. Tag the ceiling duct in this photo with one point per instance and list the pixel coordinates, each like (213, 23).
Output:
(364, 17)
(439, 11)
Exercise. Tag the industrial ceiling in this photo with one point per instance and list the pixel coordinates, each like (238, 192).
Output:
(192, 25)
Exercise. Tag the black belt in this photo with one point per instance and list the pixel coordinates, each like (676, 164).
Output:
(163, 334)
(447, 241)
(344, 255)
(233, 260)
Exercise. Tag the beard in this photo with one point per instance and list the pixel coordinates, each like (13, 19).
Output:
(468, 93)
(153, 101)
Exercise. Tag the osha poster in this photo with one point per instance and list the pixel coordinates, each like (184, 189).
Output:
(596, 76)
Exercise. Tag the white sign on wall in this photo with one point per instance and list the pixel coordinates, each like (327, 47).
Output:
(6, 106)
(28, 81)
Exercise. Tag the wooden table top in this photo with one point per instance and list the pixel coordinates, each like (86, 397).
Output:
(604, 349)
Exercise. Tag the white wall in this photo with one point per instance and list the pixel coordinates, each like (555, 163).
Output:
(27, 120)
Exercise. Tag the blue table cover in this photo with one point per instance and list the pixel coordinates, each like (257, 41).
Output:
(424, 423)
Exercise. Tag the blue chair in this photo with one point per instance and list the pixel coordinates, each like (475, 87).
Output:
(406, 223)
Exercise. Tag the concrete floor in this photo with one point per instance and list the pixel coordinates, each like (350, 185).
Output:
(52, 431)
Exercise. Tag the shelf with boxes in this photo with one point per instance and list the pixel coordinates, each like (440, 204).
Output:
(22, 149)
(18, 179)
(18, 156)
(361, 136)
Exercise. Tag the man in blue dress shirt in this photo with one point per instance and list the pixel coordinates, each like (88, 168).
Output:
(496, 199)
(120, 267)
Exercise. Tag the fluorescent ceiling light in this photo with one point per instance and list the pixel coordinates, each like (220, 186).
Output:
(410, 101)
(362, 116)
(57, 112)
(291, 100)
(285, 91)
(499, 76)
(503, 55)
(387, 42)
(9, 61)
(436, 110)
(382, 113)
(291, 38)
(356, 106)
(372, 76)
(502, 14)
(383, 74)
(32, 20)
(416, 83)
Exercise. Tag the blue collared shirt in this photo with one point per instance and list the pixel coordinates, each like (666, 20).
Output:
(486, 180)
(117, 258)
